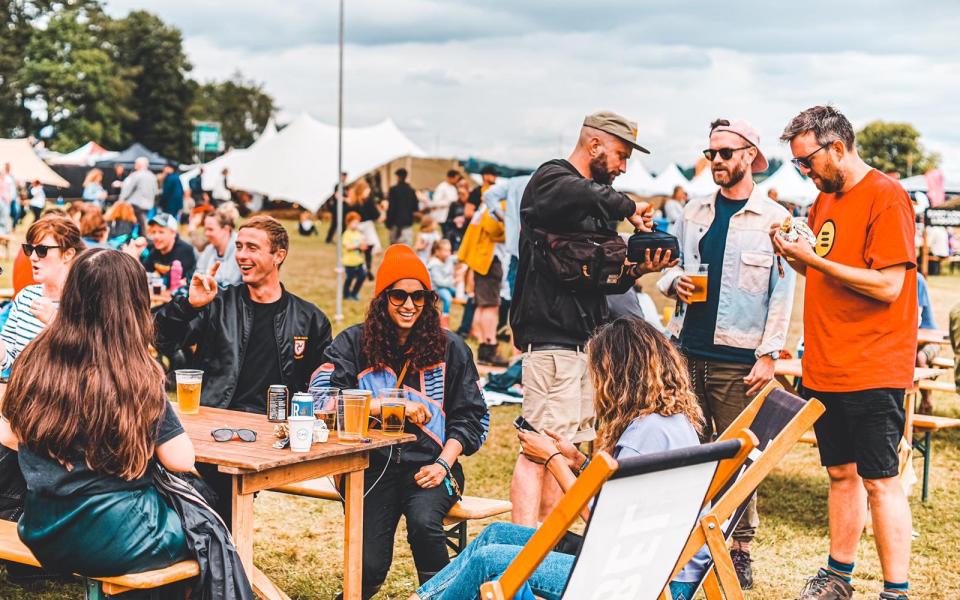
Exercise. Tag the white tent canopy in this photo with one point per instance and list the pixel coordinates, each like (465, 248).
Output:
(85, 155)
(702, 184)
(790, 186)
(918, 183)
(26, 166)
(229, 160)
(668, 179)
(636, 180)
(299, 164)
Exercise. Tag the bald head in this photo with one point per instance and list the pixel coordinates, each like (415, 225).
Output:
(602, 155)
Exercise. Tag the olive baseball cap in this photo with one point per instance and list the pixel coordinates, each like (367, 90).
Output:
(616, 125)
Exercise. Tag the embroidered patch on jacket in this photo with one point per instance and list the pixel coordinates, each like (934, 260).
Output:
(299, 346)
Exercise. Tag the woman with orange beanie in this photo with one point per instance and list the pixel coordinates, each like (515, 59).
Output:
(401, 345)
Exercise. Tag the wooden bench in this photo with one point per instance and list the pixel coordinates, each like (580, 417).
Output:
(932, 385)
(97, 588)
(925, 424)
(467, 509)
(943, 362)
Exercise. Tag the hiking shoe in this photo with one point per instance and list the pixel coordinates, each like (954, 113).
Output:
(826, 586)
(743, 564)
(893, 596)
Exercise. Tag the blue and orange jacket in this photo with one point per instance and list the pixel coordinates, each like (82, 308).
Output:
(450, 390)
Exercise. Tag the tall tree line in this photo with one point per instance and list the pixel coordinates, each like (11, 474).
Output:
(68, 67)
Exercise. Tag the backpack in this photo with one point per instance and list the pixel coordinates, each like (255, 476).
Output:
(589, 261)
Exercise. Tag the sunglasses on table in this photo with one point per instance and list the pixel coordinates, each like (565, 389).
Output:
(419, 297)
(725, 153)
(40, 249)
(225, 434)
(804, 161)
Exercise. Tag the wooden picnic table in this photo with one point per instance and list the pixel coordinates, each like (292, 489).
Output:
(933, 336)
(791, 367)
(259, 466)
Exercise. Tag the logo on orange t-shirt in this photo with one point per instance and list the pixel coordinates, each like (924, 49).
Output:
(825, 239)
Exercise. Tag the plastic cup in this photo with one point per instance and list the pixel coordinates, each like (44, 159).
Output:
(301, 433)
(353, 415)
(392, 411)
(189, 382)
(698, 275)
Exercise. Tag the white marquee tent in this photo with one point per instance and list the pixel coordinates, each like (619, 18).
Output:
(26, 166)
(636, 180)
(668, 179)
(85, 155)
(790, 186)
(299, 164)
(229, 160)
(702, 183)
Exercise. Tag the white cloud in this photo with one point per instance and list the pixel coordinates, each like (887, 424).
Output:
(510, 81)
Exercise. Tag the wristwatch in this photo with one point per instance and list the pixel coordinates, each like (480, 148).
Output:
(775, 355)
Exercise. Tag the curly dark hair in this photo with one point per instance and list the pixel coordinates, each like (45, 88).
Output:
(426, 344)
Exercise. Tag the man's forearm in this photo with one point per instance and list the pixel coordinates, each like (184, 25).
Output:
(882, 285)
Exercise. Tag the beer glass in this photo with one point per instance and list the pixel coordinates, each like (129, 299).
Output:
(325, 405)
(353, 414)
(392, 411)
(698, 275)
(188, 390)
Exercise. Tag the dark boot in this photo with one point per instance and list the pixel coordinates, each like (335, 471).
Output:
(487, 355)
(425, 576)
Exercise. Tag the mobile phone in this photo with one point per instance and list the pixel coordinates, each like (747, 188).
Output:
(521, 423)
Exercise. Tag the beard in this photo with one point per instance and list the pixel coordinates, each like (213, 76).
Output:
(831, 180)
(598, 169)
(727, 178)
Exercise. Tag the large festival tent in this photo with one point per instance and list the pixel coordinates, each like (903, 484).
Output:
(668, 179)
(702, 183)
(131, 154)
(26, 166)
(790, 185)
(299, 164)
(637, 180)
(85, 155)
(230, 160)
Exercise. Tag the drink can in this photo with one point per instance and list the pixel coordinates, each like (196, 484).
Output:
(301, 405)
(277, 402)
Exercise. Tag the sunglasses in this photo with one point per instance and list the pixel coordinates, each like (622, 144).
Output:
(419, 297)
(41, 250)
(725, 153)
(225, 434)
(804, 161)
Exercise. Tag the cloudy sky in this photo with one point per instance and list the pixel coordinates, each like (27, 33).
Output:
(510, 80)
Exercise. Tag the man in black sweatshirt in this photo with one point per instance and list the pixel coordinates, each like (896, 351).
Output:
(551, 323)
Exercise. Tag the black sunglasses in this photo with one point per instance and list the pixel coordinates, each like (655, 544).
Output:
(225, 434)
(804, 161)
(419, 297)
(40, 249)
(725, 153)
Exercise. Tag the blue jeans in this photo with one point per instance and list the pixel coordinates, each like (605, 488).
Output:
(446, 298)
(487, 557)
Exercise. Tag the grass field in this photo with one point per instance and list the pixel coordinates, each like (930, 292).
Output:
(298, 541)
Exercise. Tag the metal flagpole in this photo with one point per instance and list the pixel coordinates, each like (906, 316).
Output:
(338, 315)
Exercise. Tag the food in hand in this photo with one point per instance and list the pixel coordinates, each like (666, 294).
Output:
(792, 230)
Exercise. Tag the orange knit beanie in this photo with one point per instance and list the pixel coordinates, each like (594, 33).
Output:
(401, 262)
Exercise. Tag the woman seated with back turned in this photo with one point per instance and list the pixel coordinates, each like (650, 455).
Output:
(644, 404)
(87, 412)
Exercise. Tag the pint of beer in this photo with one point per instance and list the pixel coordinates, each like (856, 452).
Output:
(392, 411)
(698, 275)
(188, 390)
(353, 414)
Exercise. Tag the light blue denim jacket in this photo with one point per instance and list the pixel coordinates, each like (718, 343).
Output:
(755, 301)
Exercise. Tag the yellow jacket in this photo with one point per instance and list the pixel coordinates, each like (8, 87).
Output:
(480, 240)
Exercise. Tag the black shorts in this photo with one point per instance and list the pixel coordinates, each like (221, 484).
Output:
(486, 288)
(862, 427)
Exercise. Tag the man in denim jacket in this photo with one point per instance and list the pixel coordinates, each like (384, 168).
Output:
(732, 339)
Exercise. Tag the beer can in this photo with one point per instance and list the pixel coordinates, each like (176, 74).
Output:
(277, 403)
(301, 405)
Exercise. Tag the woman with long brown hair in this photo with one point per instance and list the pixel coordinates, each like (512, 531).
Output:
(121, 223)
(401, 345)
(644, 404)
(86, 410)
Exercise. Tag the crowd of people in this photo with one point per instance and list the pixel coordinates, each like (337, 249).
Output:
(119, 283)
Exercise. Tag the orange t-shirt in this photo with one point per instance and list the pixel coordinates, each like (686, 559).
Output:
(852, 342)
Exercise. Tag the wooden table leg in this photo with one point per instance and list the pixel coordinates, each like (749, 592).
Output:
(242, 526)
(353, 536)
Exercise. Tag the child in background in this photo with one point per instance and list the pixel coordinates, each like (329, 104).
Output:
(441, 267)
(307, 226)
(428, 235)
(38, 199)
(353, 246)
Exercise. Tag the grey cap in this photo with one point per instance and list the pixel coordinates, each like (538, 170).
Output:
(616, 125)
(164, 220)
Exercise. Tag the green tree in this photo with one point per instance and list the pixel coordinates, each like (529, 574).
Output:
(162, 94)
(71, 79)
(241, 107)
(16, 30)
(895, 147)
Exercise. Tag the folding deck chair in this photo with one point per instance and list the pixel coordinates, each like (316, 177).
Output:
(645, 509)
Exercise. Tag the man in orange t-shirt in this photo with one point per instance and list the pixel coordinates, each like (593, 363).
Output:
(860, 342)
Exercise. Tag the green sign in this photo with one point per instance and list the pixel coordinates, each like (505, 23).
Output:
(206, 136)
